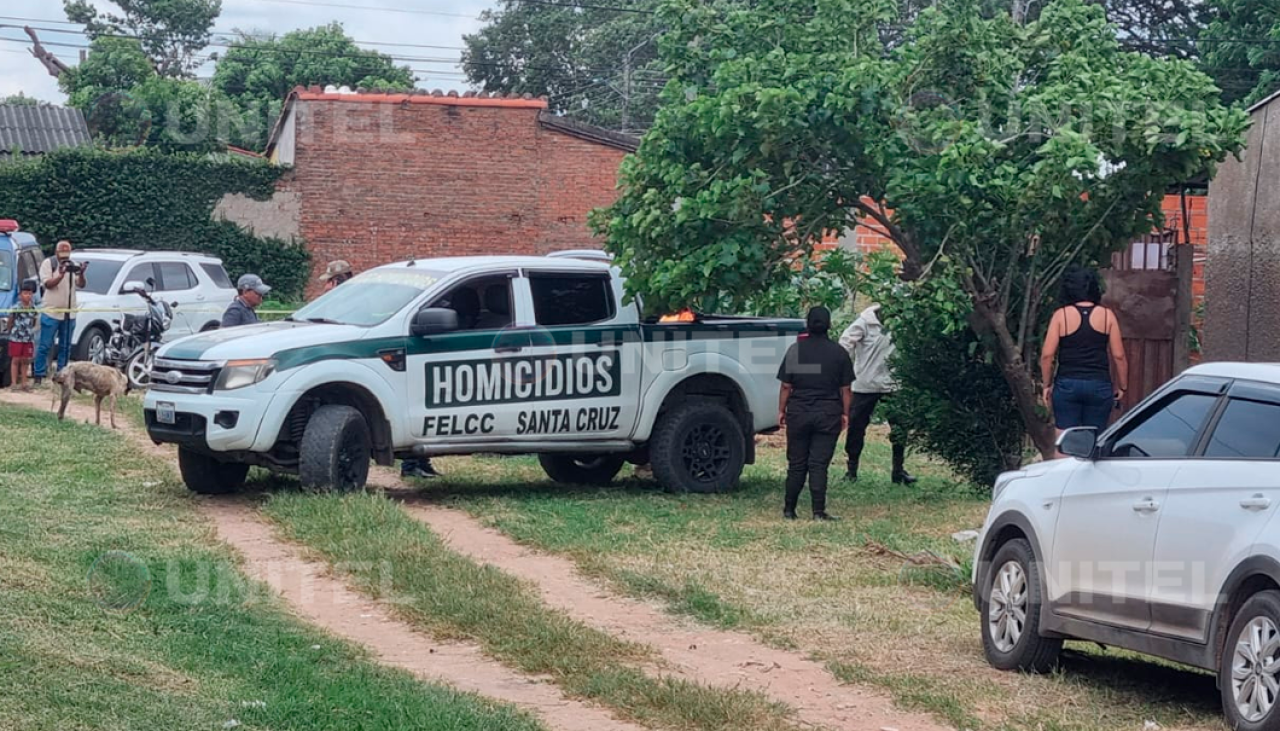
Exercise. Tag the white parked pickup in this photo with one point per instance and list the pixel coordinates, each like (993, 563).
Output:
(512, 355)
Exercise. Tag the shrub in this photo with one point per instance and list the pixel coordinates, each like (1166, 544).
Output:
(150, 200)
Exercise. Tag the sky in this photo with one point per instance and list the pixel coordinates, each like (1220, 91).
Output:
(369, 22)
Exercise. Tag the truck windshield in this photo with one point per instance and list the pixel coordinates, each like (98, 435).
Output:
(6, 270)
(370, 298)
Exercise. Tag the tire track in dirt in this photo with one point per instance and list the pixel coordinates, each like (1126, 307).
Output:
(327, 602)
(712, 657)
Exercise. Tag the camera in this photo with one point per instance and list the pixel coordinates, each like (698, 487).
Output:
(71, 267)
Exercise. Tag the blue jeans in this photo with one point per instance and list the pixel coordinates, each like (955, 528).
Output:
(50, 328)
(1082, 403)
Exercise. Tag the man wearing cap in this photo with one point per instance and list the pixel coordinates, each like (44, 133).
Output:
(60, 277)
(336, 273)
(252, 290)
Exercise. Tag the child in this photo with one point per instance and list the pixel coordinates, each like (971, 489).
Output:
(22, 336)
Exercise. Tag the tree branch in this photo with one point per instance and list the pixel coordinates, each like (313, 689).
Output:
(912, 263)
(51, 63)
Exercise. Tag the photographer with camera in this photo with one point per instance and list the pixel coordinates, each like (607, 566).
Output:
(61, 278)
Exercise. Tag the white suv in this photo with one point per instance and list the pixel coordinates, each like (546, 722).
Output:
(1158, 536)
(198, 283)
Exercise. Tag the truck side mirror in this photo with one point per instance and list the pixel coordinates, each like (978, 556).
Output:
(1080, 442)
(133, 287)
(433, 321)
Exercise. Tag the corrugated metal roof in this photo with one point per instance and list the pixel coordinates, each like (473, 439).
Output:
(37, 129)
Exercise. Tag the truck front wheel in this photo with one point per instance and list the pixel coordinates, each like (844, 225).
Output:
(698, 446)
(208, 475)
(581, 469)
(335, 450)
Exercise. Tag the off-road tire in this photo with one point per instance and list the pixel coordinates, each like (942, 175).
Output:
(208, 475)
(1031, 652)
(681, 439)
(335, 451)
(577, 469)
(1263, 606)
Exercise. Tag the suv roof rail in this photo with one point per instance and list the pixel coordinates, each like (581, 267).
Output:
(586, 254)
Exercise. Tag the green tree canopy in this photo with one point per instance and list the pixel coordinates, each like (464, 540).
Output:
(260, 71)
(597, 65)
(171, 32)
(1242, 48)
(993, 155)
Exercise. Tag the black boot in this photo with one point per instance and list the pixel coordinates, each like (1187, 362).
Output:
(900, 474)
(851, 475)
(789, 513)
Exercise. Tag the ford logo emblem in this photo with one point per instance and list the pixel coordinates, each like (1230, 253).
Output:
(173, 377)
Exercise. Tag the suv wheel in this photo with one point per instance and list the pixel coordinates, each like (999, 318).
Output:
(576, 469)
(335, 450)
(93, 345)
(1011, 601)
(208, 475)
(1249, 673)
(698, 447)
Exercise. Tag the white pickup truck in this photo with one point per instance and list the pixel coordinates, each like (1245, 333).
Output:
(510, 355)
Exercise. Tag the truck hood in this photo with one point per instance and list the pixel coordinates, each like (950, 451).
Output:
(258, 341)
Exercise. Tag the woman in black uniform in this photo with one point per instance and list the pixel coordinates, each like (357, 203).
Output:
(816, 375)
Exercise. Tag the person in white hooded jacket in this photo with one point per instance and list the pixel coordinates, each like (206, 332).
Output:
(871, 347)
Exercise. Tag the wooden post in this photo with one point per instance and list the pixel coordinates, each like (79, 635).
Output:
(1184, 259)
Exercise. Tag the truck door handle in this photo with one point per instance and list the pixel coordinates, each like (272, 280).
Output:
(509, 349)
(1257, 502)
(1146, 505)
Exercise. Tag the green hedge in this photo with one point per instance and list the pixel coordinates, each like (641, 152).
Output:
(145, 199)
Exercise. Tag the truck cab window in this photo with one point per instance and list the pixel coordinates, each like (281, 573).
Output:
(481, 304)
(571, 299)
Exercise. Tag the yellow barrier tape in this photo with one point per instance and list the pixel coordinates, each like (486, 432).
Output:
(182, 310)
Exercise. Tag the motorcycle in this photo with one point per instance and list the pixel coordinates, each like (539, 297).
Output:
(135, 338)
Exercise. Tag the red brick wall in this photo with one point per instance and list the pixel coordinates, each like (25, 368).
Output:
(382, 182)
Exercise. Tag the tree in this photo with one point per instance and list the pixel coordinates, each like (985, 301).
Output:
(992, 154)
(598, 65)
(22, 100)
(1242, 48)
(171, 32)
(260, 71)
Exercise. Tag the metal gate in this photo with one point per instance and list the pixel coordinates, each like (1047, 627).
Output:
(1149, 289)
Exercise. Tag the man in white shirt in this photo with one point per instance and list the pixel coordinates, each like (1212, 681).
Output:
(871, 347)
(61, 277)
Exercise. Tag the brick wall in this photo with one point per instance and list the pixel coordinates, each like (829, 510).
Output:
(867, 239)
(381, 181)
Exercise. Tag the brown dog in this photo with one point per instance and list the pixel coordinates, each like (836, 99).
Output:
(102, 381)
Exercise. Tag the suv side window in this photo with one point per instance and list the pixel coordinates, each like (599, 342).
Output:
(1247, 430)
(571, 299)
(143, 273)
(175, 276)
(218, 275)
(1169, 430)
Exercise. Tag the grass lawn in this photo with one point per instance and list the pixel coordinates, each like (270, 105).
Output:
(451, 595)
(731, 560)
(103, 560)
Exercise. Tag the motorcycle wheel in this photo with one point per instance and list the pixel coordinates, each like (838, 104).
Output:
(138, 369)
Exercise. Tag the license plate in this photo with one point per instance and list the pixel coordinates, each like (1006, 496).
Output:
(165, 413)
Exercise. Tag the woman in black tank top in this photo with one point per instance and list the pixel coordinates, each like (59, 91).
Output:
(1085, 340)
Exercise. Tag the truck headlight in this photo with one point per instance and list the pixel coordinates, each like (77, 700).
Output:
(240, 373)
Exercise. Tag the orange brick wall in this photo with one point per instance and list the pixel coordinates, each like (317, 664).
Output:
(866, 240)
(381, 182)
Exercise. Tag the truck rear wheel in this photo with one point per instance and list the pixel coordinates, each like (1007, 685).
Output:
(577, 469)
(207, 475)
(698, 447)
(335, 450)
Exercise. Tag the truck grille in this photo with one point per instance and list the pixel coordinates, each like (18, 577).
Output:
(184, 376)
